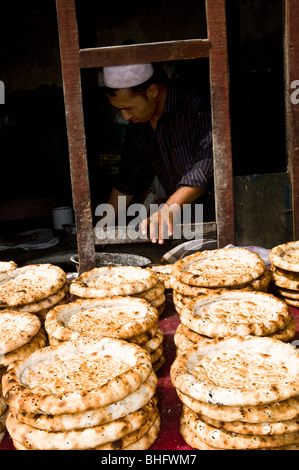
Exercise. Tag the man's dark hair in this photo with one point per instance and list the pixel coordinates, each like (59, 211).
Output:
(159, 76)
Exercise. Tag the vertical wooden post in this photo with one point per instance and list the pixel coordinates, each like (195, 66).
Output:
(71, 73)
(220, 107)
(291, 67)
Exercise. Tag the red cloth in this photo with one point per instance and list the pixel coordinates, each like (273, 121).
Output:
(169, 404)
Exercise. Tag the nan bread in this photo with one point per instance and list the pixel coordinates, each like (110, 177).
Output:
(29, 284)
(16, 329)
(73, 377)
(236, 313)
(238, 371)
(118, 317)
(219, 268)
(286, 256)
(113, 280)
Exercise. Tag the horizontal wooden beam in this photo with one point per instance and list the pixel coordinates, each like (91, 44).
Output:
(143, 53)
(128, 235)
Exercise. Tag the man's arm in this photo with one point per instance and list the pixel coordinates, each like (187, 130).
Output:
(160, 224)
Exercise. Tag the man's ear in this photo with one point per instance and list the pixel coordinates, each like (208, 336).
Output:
(152, 91)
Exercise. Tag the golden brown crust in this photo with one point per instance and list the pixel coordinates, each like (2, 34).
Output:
(73, 377)
(113, 280)
(285, 256)
(262, 370)
(219, 268)
(118, 317)
(16, 329)
(85, 438)
(30, 284)
(236, 313)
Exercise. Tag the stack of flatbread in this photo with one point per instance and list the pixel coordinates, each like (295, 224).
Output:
(123, 281)
(239, 393)
(284, 261)
(34, 288)
(130, 318)
(20, 334)
(214, 271)
(234, 312)
(89, 394)
(163, 272)
(120, 280)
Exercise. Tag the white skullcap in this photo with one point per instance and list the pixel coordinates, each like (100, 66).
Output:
(127, 76)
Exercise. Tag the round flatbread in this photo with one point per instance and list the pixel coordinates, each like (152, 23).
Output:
(49, 302)
(140, 441)
(285, 256)
(30, 283)
(73, 377)
(164, 273)
(85, 438)
(181, 341)
(7, 265)
(37, 342)
(148, 439)
(292, 302)
(134, 437)
(285, 279)
(259, 284)
(146, 336)
(118, 317)
(94, 417)
(113, 280)
(236, 313)
(154, 343)
(192, 439)
(238, 371)
(16, 329)
(153, 293)
(271, 412)
(275, 428)
(222, 439)
(158, 301)
(219, 268)
(288, 293)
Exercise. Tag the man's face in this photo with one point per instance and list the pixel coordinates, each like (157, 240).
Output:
(134, 107)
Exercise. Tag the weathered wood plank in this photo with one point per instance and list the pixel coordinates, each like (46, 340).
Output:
(140, 53)
(128, 235)
(69, 52)
(291, 67)
(220, 106)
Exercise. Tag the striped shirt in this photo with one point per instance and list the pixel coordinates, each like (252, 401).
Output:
(179, 152)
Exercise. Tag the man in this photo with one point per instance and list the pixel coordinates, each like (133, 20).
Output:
(169, 136)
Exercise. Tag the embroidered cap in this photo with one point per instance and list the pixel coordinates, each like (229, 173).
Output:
(127, 76)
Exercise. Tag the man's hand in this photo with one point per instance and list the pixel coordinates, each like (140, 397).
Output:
(161, 223)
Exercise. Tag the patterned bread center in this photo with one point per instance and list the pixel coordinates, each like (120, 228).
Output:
(247, 369)
(219, 266)
(12, 326)
(241, 311)
(94, 321)
(82, 373)
(291, 256)
(34, 281)
(116, 278)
